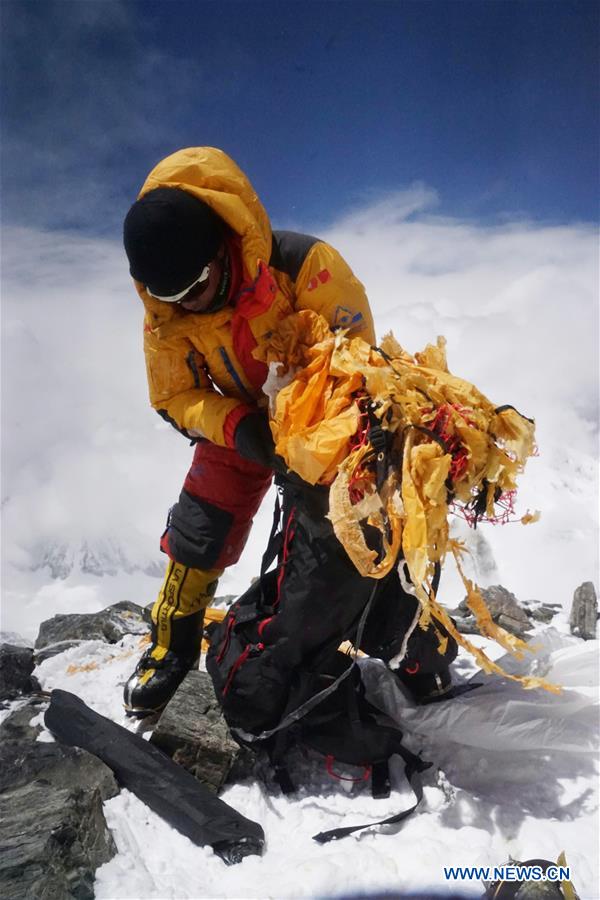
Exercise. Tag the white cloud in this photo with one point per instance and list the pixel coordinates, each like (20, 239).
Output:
(389, 210)
(86, 460)
(518, 305)
(83, 453)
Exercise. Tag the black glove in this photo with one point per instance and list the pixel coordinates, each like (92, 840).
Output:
(254, 441)
(377, 437)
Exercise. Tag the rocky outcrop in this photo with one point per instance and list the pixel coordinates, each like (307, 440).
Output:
(110, 625)
(53, 834)
(504, 608)
(194, 733)
(16, 666)
(466, 624)
(584, 612)
(541, 612)
(515, 617)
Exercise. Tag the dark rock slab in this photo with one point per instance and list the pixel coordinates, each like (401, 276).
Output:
(467, 625)
(514, 625)
(16, 666)
(541, 612)
(584, 612)
(194, 733)
(504, 609)
(110, 625)
(53, 834)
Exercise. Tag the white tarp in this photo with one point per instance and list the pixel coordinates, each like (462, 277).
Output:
(500, 716)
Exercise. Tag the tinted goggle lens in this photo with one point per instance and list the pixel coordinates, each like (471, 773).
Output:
(175, 298)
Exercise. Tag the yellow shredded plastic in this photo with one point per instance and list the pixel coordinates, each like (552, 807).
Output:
(450, 442)
(346, 519)
(566, 886)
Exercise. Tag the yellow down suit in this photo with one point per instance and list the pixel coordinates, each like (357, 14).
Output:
(203, 375)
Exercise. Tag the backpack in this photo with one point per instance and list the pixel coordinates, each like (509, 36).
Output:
(275, 697)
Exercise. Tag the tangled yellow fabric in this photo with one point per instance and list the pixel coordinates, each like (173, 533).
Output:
(448, 444)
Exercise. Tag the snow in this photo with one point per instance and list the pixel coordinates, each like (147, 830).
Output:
(89, 473)
(515, 773)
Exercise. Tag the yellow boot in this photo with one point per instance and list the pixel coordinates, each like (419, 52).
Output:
(177, 619)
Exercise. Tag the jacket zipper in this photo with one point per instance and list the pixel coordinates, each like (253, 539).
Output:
(231, 370)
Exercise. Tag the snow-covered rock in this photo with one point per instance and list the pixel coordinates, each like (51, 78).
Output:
(110, 625)
(584, 612)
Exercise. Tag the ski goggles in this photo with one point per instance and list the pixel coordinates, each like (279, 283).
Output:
(175, 298)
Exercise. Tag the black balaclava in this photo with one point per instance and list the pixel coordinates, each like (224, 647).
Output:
(169, 237)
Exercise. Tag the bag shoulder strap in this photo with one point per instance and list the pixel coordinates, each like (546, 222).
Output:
(413, 766)
(296, 714)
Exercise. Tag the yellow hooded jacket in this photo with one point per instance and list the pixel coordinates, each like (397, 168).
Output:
(203, 375)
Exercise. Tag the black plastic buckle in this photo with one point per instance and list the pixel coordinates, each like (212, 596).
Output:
(380, 780)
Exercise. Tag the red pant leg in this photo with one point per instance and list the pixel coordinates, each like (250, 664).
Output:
(209, 525)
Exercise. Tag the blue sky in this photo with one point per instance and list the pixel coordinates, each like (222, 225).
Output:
(327, 105)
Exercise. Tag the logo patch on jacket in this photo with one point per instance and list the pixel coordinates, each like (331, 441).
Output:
(346, 318)
(321, 277)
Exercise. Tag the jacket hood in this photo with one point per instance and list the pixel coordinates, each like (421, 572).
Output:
(212, 176)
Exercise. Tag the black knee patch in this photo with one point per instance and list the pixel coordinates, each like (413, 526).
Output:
(197, 531)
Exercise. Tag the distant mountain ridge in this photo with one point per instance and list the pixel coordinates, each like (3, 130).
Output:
(102, 557)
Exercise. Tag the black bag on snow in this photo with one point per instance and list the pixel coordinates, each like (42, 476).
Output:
(168, 789)
(274, 659)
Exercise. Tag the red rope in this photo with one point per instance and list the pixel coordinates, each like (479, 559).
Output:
(227, 639)
(458, 466)
(240, 662)
(440, 425)
(289, 534)
(329, 761)
(506, 515)
(262, 625)
(356, 493)
(360, 438)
